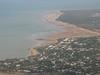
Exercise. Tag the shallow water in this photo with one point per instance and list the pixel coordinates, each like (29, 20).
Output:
(18, 33)
(21, 22)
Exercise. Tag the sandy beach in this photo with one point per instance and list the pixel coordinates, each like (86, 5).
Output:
(69, 30)
(11, 73)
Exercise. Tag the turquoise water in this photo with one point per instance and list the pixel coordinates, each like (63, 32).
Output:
(21, 22)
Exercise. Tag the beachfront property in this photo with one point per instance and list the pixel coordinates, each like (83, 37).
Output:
(78, 56)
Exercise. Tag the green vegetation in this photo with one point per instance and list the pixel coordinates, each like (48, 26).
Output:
(89, 19)
(72, 56)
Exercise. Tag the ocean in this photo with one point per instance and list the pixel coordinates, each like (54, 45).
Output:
(21, 22)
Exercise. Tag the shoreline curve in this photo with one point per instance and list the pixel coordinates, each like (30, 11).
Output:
(69, 30)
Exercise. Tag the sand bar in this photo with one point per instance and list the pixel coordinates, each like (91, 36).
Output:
(69, 30)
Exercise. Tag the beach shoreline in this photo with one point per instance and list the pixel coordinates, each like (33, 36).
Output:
(68, 30)
(16, 73)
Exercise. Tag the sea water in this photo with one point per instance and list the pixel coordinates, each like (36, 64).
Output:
(21, 22)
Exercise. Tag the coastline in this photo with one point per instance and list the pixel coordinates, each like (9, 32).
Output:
(69, 30)
(3, 73)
